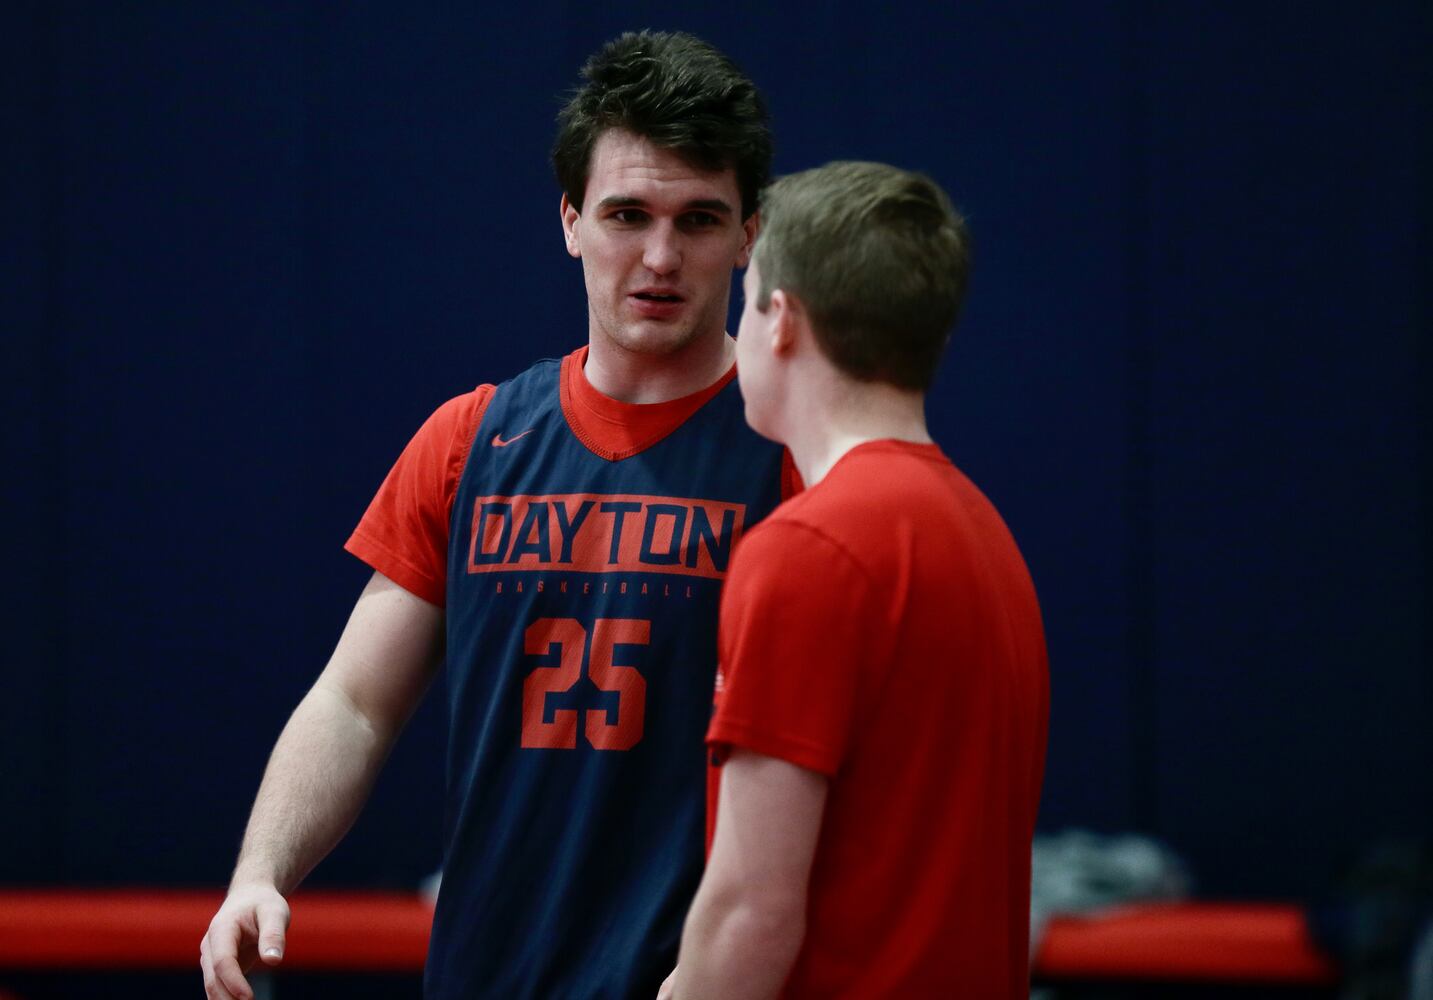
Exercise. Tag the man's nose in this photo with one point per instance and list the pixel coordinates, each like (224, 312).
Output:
(663, 251)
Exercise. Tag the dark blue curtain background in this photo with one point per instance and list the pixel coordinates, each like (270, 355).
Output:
(248, 248)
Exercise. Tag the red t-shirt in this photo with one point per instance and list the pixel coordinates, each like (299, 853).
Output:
(882, 629)
(404, 533)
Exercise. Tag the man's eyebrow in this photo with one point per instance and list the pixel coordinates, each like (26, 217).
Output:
(710, 205)
(716, 205)
(620, 201)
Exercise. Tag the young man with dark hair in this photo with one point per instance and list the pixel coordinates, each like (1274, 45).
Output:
(561, 539)
(882, 694)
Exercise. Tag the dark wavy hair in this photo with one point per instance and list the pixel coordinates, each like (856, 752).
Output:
(679, 93)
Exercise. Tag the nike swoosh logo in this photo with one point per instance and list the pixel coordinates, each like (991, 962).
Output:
(498, 441)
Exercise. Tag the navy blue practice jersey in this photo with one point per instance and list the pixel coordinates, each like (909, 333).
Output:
(582, 595)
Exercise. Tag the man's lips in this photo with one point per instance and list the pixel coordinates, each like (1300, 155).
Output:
(656, 303)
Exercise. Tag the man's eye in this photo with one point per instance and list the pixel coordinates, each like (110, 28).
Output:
(628, 215)
(701, 220)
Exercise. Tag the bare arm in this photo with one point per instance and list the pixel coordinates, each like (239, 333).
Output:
(321, 772)
(748, 920)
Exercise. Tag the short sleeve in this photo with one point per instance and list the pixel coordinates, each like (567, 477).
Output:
(794, 641)
(404, 532)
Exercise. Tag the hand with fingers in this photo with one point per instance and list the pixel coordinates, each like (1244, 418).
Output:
(250, 926)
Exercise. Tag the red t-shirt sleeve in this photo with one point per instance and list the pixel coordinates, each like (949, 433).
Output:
(404, 533)
(794, 642)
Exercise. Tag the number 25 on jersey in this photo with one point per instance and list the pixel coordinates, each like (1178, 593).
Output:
(556, 729)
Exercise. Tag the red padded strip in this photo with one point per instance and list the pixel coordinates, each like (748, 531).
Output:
(161, 929)
(120, 929)
(1227, 942)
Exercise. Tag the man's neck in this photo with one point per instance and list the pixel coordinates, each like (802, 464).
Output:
(840, 416)
(644, 378)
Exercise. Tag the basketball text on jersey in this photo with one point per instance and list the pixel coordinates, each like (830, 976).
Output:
(591, 533)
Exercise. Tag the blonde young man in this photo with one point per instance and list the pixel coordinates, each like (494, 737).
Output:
(882, 694)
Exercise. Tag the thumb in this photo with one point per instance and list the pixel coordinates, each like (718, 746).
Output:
(273, 925)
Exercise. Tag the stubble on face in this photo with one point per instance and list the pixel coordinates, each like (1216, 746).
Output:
(658, 239)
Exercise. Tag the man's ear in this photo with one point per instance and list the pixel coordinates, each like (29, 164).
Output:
(570, 217)
(751, 228)
(787, 317)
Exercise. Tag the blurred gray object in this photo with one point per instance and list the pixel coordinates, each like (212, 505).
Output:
(1420, 985)
(1079, 872)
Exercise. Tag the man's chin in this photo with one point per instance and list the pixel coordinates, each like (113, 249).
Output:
(757, 422)
(657, 339)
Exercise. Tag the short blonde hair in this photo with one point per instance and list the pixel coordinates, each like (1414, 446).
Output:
(877, 255)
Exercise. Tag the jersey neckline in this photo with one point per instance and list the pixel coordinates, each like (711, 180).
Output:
(614, 430)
